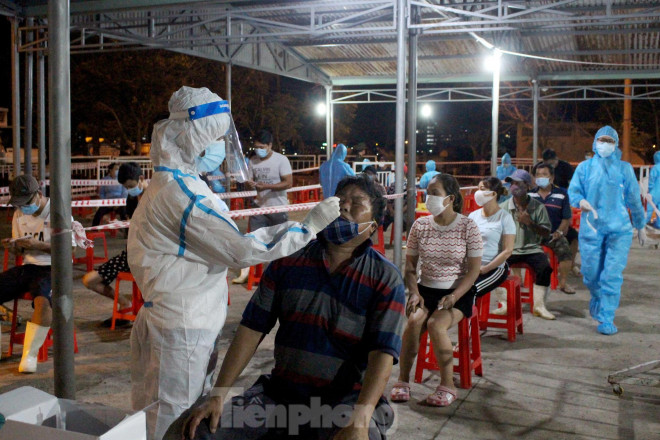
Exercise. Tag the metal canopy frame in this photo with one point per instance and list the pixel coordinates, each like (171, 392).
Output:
(604, 92)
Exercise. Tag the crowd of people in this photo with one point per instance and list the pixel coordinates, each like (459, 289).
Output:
(343, 314)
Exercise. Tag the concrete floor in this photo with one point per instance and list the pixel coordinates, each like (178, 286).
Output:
(549, 384)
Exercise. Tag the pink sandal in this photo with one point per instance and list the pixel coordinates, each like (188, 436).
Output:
(400, 392)
(442, 396)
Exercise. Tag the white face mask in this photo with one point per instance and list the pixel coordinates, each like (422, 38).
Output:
(483, 197)
(605, 149)
(436, 204)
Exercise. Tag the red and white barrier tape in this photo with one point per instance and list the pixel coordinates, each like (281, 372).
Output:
(234, 195)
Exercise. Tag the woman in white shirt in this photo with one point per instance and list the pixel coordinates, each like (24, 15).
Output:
(498, 234)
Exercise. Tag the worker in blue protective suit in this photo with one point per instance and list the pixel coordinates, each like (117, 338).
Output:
(332, 171)
(506, 169)
(605, 188)
(428, 175)
(180, 246)
(654, 191)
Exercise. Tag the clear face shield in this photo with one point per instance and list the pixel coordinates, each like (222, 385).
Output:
(223, 154)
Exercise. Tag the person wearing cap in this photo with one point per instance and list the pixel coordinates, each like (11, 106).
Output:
(111, 192)
(30, 230)
(563, 170)
(532, 226)
(605, 188)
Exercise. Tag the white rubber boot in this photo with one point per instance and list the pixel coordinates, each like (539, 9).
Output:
(35, 335)
(242, 278)
(539, 302)
(500, 296)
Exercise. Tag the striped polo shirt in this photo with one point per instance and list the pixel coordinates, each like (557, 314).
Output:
(323, 316)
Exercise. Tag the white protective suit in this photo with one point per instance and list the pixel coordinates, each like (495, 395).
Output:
(180, 245)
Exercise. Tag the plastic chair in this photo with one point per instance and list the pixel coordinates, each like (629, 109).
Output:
(43, 351)
(467, 351)
(90, 259)
(403, 235)
(513, 320)
(527, 285)
(129, 313)
(554, 263)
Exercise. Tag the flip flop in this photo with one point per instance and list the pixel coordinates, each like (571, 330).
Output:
(400, 392)
(442, 396)
(568, 290)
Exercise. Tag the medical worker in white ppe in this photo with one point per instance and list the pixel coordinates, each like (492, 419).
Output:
(179, 248)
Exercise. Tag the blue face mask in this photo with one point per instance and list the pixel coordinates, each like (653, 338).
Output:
(212, 159)
(341, 231)
(135, 191)
(542, 182)
(30, 209)
(261, 152)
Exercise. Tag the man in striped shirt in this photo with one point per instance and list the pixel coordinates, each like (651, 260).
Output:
(340, 307)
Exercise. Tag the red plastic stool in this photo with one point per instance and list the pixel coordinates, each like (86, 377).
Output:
(236, 203)
(380, 246)
(43, 351)
(254, 276)
(129, 313)
(19, 338)
(89, 259)
(513, 320)
(527, 285)
(467, 351)
(554, 263)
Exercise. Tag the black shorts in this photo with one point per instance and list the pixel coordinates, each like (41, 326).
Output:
(432, 296)
(489, 281)
(26, 278)
(113, 266)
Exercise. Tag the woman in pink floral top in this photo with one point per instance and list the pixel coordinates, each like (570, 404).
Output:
(448, 247)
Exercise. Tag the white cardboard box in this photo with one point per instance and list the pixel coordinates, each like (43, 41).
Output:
(33, 414)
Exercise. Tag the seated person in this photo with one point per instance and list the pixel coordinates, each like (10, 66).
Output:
(532, 226)
(111, 192)
(447, 245)
(339, 304)
(563, 238)
(498, 233)
(372, 174)
(30, 231)
(131, 178)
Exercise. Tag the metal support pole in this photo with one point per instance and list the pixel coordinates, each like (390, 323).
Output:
(331, 113)
(399, 146)
(535, 122)
(41, 114)
(328, 122)
(59, 111)
(29, 101)
(627, 121)
(15, 98)
(412, 119)
(228, 81)
(496, 110)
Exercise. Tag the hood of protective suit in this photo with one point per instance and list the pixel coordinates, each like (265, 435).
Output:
(430, 165)
(176, 142)
(339, 153)
(506, 159)
(607, 131)
(656, 158)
